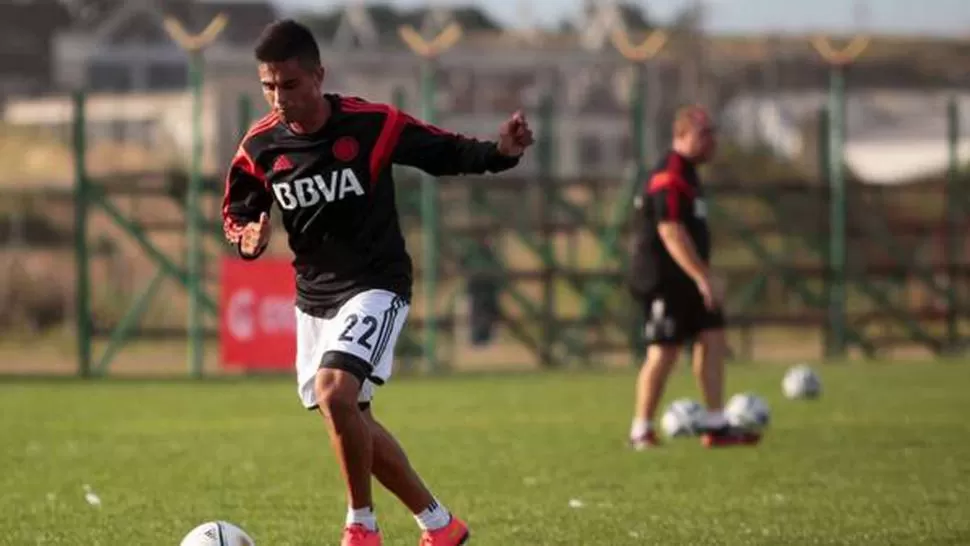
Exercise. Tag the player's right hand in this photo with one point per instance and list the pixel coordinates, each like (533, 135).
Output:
(255, 236)
(515, 136)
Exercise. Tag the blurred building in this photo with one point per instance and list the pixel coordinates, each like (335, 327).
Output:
(893, 135)
(27, 31)
(767, 89)
(127, 49)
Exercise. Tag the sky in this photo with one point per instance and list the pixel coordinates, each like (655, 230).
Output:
(926, 17)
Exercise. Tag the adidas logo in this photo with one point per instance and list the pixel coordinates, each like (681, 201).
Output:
(282, 163)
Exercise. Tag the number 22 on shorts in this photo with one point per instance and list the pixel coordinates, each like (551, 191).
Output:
(367, 323)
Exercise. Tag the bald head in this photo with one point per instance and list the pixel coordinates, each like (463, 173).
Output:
(694, 133)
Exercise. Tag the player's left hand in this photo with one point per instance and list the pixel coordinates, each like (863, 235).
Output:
(515, 135)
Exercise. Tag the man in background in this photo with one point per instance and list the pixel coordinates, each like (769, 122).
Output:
(671, 277)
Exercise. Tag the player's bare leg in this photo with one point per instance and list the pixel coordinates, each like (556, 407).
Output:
(708, 357)
(650, 387)
(394, 471)
(708, 363)
(392, 468)
(336, 393)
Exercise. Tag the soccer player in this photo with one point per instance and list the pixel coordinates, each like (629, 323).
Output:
(325, 160)
(671, 276)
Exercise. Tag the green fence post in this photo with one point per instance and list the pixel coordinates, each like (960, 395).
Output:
(623, 200)
(194, 225)
(837, 61)
(429, 50)
(547, 218)
(429, 220)
(643, 139)
(399, 98)
(638, 113)
(837, 210)
(194, 45)
(245, 114)
(81, 201)
(595, 298)
(637, 55)
(823, 134)
(953, 208)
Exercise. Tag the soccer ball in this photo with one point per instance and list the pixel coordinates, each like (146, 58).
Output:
(801, 382)
(682, 418)
(748, 412)
(217, 533)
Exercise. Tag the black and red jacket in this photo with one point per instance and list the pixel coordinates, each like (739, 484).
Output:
(671, 193)
(335, 193)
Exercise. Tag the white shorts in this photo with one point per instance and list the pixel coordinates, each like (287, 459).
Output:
(366, 326)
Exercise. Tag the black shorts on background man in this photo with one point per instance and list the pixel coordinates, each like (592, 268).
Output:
(673, 306)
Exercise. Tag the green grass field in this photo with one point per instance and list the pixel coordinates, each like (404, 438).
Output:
(883, 458)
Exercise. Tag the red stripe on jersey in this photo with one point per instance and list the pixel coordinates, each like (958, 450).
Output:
(388, 137)
(262, 125)
(244, 162)
(365, 109)
(676, 186)
(380, 158)
(672, 179)
(354, 104)
(427, 126)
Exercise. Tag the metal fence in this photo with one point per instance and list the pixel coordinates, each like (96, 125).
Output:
(818, 262)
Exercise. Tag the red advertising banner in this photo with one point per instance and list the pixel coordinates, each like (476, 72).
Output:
(257, 320)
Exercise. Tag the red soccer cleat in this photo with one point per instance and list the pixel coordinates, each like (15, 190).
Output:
(729, 436)
(454, 534)
(358, 535)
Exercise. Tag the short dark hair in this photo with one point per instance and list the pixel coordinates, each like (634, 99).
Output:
(286, 39)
